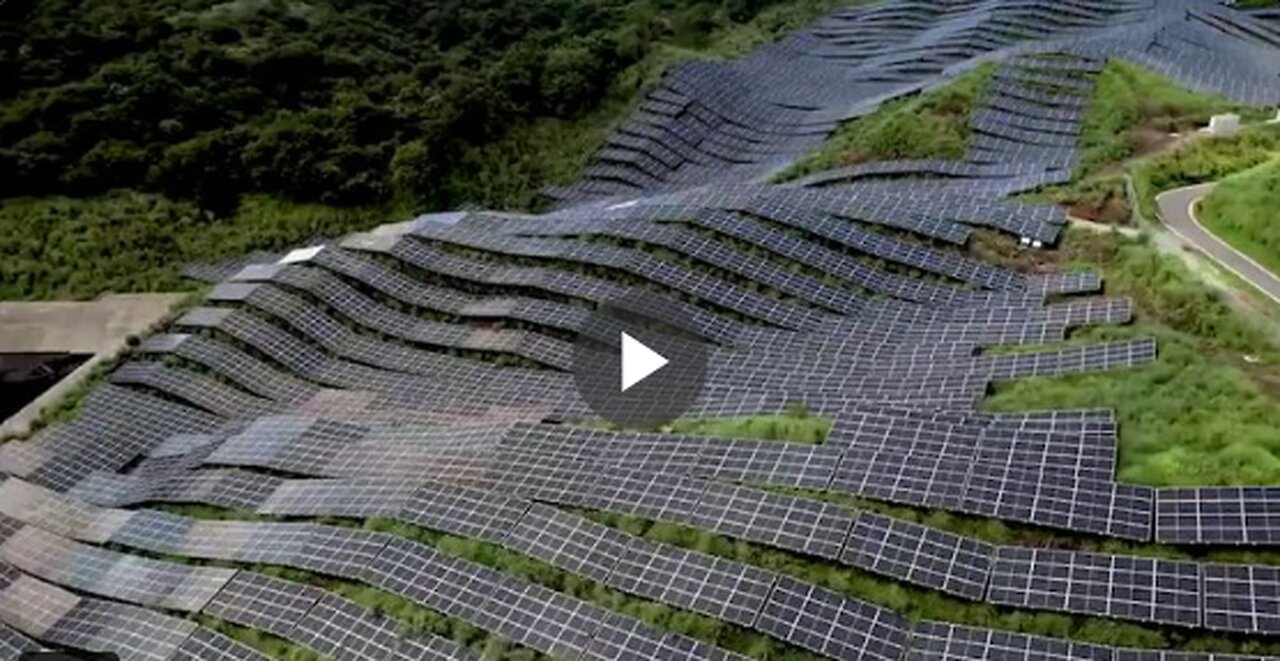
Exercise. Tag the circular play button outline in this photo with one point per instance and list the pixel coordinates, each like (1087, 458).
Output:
(639, 362)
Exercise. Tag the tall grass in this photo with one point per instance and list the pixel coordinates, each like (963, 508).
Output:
(1243, 210)
(65, 248)
(1202, 160)
(1128, 98)
(795, 426)
(1204, 412)
(934, 124)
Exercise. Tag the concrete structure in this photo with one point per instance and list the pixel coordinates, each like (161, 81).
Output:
(1224, 126)
(101, 328)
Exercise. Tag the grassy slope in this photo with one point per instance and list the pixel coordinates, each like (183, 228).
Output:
(1202, 414)
(1242, 211)
(794, 427)
(1203, 159)
(59, 248)
(509, 173)
(1132, 112)
(1130, 101)
(932, 125)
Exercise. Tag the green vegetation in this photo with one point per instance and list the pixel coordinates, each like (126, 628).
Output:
(182, 133)
(80, 248)
(934, 124)
(1242, 212)
(1133, 110)
(921, 604)
(1203, 413)
(331, 101)
(273, 646)
(796, 425)
(1128, 127)
(1204, 159)
(1102, 199)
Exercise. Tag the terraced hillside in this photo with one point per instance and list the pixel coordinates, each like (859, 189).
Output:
(373, 448)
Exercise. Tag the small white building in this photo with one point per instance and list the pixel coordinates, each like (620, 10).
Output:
(1277, 119)
(1224, 125)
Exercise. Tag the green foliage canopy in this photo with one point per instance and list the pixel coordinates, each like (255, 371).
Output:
(332, 101)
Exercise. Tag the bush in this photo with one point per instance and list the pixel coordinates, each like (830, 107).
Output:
(1204, 159)
(1128, 99)
(1195, 417)
(932, 125)
(1242, 211)
(309, 101)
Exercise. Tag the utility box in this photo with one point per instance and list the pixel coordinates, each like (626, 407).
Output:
(1224, 125)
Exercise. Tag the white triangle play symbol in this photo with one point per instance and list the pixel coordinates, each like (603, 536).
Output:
(638, 361)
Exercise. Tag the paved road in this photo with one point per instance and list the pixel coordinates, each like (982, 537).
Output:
(1178, 213)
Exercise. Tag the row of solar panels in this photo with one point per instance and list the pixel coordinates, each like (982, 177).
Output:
(674, 140)
(905, 551)
(711, 122)
(876, 455)
(339, 628)
(1023, 135)
(1234, 597)
(532, 453)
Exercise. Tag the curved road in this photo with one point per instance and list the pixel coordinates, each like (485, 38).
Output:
(1177, 210)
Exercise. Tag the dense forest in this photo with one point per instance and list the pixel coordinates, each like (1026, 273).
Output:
(336, 101)
(138, 134)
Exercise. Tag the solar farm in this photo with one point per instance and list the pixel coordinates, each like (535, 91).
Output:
(390, 417)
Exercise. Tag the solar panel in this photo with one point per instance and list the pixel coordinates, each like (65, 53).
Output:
(1128, 587)
(923, 480)
(58, 513)
(107, 573)
(943, 641)
(919, 554)
(463, 511)
(13, 644)
(413, 373)
(831, 624)
(205, 645)
(264, 603)
(1048, 497)
(343, 631)
(543, 619)
(1218, 515)
(1241, 598)
(769, 462)
(129, 631)
(648, 495)
(568, 541)
(340, 498)
(724, 589)
(797, 524)
(420, 573)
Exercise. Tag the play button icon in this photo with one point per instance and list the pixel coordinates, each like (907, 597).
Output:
(639, 362)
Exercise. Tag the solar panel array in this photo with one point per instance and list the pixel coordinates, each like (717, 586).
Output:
(735, 121)
(418, 375)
